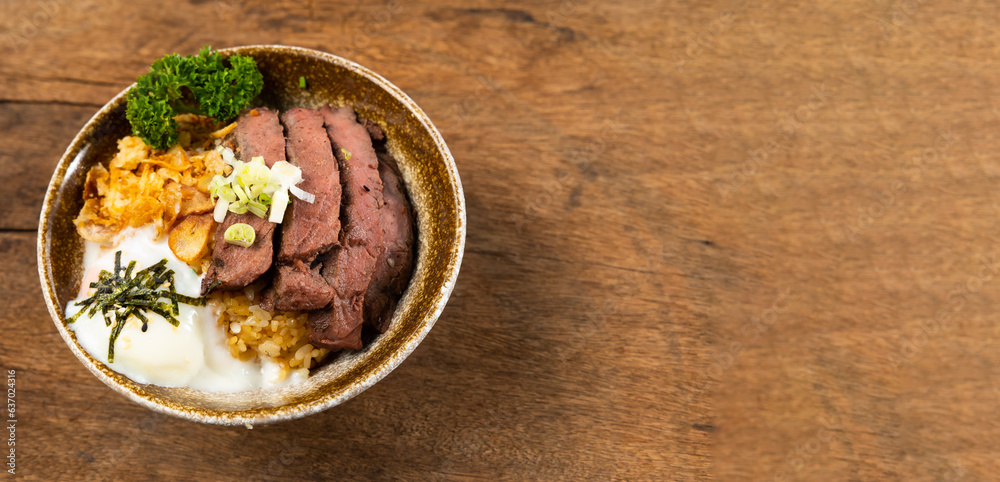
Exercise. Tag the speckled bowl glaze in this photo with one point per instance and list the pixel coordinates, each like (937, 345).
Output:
(433, 185)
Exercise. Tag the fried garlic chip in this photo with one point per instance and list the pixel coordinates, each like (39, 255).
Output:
(168, 189)
(189, 238)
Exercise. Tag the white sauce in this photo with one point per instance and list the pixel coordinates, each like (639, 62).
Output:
(193, 354)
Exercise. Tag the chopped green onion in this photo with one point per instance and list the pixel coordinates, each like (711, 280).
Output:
(227, 193)
(257, 209)
(307, 197)
(241, 193)
(221, 207)
(260, 213)
(253, 187)
(240, 234)
(278, 204)
(302, 82)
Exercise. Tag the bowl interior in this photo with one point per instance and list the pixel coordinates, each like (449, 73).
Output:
(432, 183)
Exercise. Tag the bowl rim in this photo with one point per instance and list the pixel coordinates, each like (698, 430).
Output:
(285, 412)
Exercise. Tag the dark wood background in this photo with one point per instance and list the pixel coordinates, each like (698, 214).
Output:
(735, 239)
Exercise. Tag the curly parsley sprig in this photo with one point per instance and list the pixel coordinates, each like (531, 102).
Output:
(123, 294)
(204, 84)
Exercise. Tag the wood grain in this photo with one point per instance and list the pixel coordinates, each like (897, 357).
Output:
(706, 240)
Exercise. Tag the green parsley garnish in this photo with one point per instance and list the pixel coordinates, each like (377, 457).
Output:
(204, 84)
(124, 294)
(302, 82)
(347, 154)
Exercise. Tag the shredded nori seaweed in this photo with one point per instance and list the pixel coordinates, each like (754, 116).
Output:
(123, 294)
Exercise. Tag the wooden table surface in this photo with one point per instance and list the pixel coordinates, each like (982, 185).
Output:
(732, 239)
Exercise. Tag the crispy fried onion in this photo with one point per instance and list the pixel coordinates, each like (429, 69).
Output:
(142, 187)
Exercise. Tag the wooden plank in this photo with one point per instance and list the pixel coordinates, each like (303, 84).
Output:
(33, 136)
(705, 240)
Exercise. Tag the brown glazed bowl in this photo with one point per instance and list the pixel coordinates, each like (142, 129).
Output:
(432, 182)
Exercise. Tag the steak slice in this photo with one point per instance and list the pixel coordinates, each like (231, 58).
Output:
(374, 130)
(332, 336)
(236, 266)
(349, 267)
(395, 261)
(339, 325)
(311, 228)
(296, 287)
(257, 133)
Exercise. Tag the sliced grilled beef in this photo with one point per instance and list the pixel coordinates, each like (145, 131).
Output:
(374, 130)
(235, 266)
(331, 332)
(395, 261)
(257, 133)
(339, 325)
(311, 228)
(349, 267)
(296, 286)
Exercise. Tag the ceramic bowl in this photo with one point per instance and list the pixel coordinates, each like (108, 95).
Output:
(433, 185)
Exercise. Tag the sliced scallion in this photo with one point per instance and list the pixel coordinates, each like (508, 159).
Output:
(253, 187)
(240, 234)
